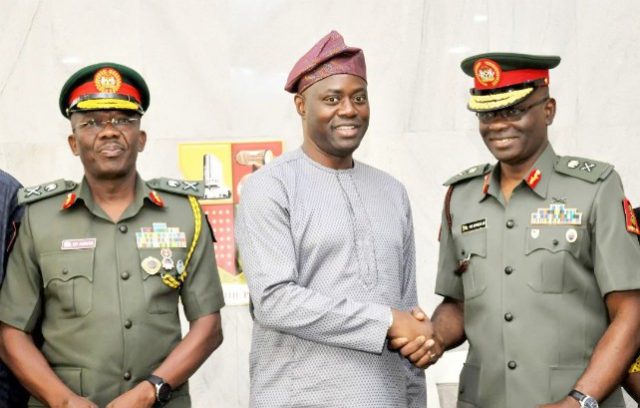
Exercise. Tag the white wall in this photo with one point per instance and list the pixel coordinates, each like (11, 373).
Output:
(216, 69)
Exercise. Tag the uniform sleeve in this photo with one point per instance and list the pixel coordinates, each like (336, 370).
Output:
(615, 251)
(201, 292)
(21, 294)
(416, 392)
(269, 260)
(448, 283)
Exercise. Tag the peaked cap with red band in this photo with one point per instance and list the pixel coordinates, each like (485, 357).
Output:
(502, 79)
(330, 56)
(104, 86)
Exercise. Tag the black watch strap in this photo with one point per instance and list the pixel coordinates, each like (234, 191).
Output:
(577, 395)
(163, 390)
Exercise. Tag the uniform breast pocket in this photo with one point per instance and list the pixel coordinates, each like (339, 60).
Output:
(68, 282)
(471, 251)
(551, 250)
(159, 297)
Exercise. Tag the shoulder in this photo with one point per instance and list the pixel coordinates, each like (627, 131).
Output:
(588, 170)
(178, 187)
(279, 172)
(470, 173)
(8, 181)
(29, 195)
(381, 178)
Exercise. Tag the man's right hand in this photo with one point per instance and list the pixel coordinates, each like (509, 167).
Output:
(408, 328)
(422, 351)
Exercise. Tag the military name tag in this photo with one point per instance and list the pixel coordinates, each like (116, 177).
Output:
(151, 265)
(82, 243)
(475, 225)
(556, 214)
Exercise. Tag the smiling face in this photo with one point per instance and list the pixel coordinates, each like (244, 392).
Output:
(521, 141)
(108, 153)
(335, 117)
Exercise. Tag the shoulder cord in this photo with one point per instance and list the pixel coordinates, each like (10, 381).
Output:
(176, 282)
(447, 207)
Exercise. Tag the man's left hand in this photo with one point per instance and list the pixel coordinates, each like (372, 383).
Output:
(566, 402)
(142, 395)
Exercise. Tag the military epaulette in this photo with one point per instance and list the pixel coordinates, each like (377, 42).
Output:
(471, 172)
(182, 187)
(584, 169)
(27, 195)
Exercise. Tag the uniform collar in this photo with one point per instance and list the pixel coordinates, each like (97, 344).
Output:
(82, 194)
(537, 178)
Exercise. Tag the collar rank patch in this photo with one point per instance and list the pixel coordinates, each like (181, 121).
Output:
(630, 218)
(534, 178)
(556, 214)
(156, 199)
(485, 185)
(69, 200)
(474, 225)
(161, 236)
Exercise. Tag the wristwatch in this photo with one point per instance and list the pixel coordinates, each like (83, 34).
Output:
(163, 390)
(584, 400)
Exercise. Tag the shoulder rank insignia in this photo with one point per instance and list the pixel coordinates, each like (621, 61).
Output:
(475, 171)
(182, 187)
(584, 169)
(29, 195)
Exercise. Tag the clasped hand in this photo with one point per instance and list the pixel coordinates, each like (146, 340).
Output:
(412, 335)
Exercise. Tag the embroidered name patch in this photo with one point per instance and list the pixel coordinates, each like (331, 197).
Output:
(556, 214)
(82, 243)
(159, 235)
(474, 225)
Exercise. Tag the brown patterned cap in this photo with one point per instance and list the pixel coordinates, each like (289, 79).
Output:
(330, 56)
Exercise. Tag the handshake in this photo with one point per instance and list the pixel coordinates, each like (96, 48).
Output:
(412, 334)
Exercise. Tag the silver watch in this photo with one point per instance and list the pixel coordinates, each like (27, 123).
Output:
(584, 400)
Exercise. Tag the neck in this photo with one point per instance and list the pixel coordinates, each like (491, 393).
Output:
(113, 195)
(512, 174)
(327, 160)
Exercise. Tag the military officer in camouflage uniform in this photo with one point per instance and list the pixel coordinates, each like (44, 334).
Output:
(538, 257)
(103, 263)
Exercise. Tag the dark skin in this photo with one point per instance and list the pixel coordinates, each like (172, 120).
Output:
(335, 117)
(109, 159)
(632, 386)
(517, 144)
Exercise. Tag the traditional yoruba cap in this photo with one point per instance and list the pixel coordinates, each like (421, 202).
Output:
(104, 86)
(505, 79)
(330, 56)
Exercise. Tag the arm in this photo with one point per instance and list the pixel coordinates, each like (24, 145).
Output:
(31, 368)
(416, 392)
(614, 352)
(20, 305)
(263, 230)
(205, 335)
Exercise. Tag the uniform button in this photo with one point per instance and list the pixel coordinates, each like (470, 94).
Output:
(124, 275)
(65, 271)
(508, 270)
(508, 317)
(128, 324)
(127, 375)
(512, 365)
(510, 224)
(555, 242)
(123, 228)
